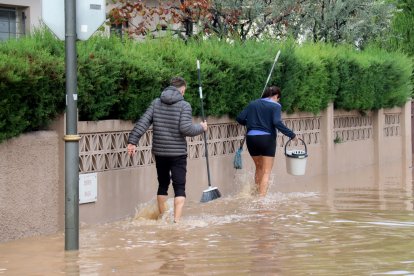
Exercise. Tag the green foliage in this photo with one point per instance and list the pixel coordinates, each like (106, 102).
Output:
(337, 140)
(305, 79)
(373, 80)
(118, 80)
(100, 65)
(31, 86)
(402, 34)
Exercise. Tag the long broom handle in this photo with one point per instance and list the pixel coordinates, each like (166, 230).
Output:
(271, 72)
(200, 90)
(264, 89)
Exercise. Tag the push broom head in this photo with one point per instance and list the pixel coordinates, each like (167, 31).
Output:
(210, 194)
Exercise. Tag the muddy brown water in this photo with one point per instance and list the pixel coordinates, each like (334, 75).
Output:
(359, 223)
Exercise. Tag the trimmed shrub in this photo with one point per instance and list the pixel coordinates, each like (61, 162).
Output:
(31, 87)
(118, 80)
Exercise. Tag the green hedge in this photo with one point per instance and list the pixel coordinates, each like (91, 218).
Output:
(32, 86)
(117, 80)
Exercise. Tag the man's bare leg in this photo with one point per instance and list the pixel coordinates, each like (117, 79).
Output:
(161, 199)
(178, 207)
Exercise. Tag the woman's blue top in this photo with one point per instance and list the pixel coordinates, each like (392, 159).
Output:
(263, 117)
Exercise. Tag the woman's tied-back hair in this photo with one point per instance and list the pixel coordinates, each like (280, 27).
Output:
(271, 91)
(178, 82)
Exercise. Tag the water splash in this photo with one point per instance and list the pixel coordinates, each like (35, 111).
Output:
(246, 185)
(150, 211)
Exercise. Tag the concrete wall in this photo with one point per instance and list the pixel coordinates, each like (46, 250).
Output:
(32, 165)
(29, 189)
(129, 187)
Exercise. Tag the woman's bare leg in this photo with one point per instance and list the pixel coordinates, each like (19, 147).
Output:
(258, 162)
(267, 165)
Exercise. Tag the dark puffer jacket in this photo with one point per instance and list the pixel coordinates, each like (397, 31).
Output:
(171, 118)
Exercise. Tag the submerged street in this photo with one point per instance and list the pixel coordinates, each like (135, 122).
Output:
(345, 224)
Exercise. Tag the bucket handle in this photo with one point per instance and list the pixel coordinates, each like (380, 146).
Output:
(288, 142)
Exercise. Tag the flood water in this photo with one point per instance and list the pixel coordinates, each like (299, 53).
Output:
(359, 223)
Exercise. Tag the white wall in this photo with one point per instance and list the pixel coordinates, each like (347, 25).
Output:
(33, 11)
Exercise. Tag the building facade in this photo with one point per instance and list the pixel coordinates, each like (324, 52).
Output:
(19, 17)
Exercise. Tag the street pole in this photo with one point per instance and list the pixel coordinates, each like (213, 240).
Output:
(71, 137)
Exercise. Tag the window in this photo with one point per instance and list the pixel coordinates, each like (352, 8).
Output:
(12, 23)
(119, 29)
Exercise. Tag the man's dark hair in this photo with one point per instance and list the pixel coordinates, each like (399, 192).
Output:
(271, 91)
(178, 82)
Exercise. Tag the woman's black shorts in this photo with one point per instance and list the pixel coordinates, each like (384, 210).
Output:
(261, 145)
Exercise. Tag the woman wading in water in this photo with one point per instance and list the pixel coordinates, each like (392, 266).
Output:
(263, 119)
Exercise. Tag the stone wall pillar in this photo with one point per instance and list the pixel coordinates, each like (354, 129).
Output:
(327, 139)
(378, 135)
(407, 154)
(406, 134)
(328, 155)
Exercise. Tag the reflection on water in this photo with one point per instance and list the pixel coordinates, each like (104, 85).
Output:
(351, 224)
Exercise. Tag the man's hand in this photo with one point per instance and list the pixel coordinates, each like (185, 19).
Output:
(296, 138)
(204, 125)
(131, 149)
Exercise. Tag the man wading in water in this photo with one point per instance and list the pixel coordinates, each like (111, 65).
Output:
(171, 117)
